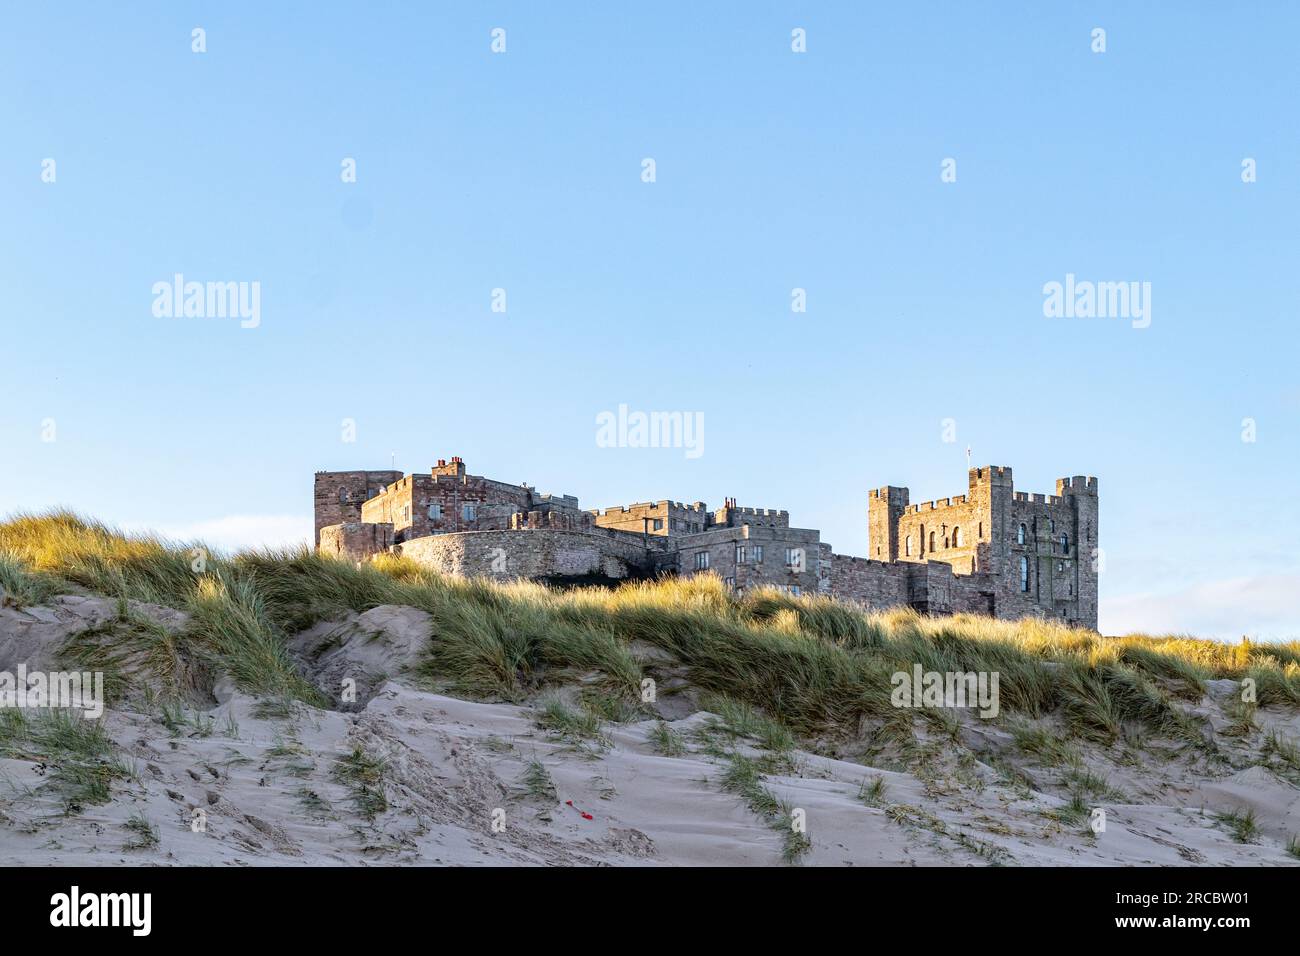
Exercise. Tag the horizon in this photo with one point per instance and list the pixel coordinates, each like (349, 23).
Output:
(516, 180)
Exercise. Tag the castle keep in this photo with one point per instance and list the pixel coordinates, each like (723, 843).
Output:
(992, 550)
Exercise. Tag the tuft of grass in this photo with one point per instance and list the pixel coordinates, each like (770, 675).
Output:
(536, 782)
(144, 835)
(613, 707)
(743, 776)
(667, 741)
(1039, 742)
(872, 792)
(1243, 826)
(81, 756)
(363, 774)
(1293, 846)
(740, 719)
(569, 723)
(1083, 781)
(275, 708)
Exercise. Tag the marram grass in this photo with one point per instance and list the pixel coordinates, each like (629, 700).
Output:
(811, 663)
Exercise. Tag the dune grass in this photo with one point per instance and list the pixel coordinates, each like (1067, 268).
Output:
(810, 665)
(81, 758)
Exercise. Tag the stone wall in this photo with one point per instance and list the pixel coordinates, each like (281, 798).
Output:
(535, 553)
(355, 540)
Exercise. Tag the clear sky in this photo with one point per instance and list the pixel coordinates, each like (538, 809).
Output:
(774, 170)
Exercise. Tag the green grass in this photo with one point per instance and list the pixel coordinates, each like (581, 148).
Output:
(536, 782)
(872, 792)
(1050, 748)
(1293, 846)
(667, 741)
(143, 834)
(740, 719)
(744, 776)
(1243, 826)
(82, 759)
(21, 586)
(575, 725)
(363, 774)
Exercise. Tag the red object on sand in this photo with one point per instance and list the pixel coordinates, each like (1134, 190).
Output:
(585, 814)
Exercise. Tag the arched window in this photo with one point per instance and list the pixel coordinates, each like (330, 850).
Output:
(1065, 544)
(931, 540)
(343, 495)
(1020, 535)
(907, 545)
(1024, 574)
(956, 537)
(1051, 526)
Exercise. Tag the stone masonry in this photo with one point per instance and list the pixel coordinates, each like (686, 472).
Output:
(992, 550)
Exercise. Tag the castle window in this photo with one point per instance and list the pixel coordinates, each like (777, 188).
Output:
(1051, 526)
(956, 537)
(1065, 544)
(740, 554)
(758, 554)
(981, 534)
(467, 512)
(658, 524)
(435, 512)
(343, 496)
(1020, 535)
(931, 540)
(796, 590)
(794, 558)
(729, 582)
(701, 560)
(907, 546)
(406, 513)
(1024, 573)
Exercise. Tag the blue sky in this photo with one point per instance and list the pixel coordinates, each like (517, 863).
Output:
(774, 171)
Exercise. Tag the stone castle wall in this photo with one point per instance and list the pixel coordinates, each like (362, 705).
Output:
(992, 550)
(534, 553)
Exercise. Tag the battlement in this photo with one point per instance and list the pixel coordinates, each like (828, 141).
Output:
(760, 512)
(1077, 485)
(890, 492)
(995, 474)
(956, 501)
(1038, 499)
(638, 506)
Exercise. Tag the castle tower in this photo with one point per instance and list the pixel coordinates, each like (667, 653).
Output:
(884, 509)
(990, 491)
(1081, 493)
(340, 494)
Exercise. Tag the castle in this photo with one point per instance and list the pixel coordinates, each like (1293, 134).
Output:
(993, 550)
